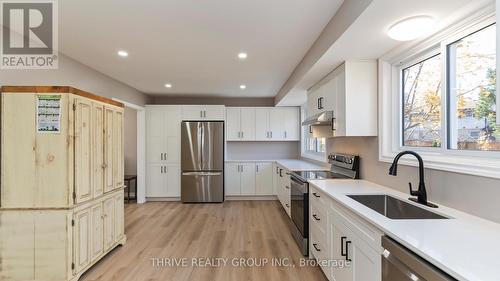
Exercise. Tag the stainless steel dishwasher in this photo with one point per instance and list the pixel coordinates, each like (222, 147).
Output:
(400, 264)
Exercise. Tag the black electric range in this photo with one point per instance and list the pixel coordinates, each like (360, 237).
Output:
(342, 167)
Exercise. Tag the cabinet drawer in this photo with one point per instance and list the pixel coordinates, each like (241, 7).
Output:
(318, 199)
(361, 228)
(318, 217)
(318, 245)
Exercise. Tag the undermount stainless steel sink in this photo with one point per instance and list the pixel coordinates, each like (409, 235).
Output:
(394, 208)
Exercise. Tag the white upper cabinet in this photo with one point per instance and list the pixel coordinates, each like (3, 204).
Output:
(240, 124)
(277, 124)
(163, 132)
(350, 91)
(203, 112)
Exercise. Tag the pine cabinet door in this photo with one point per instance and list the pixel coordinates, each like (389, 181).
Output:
(97, 246)
(83, 150)
(119, 217)
(233, 183)
(172, 139)
(233, 124)
(264, 178)
(109, 223)
(262, 124)
(108, 149)
(98, 148)
(118, 150)
(247, 178)
(82, 239)
(247, 121)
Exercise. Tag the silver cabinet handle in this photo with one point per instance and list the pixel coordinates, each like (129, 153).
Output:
(166, 156)
(161, 156)
(166, 169)
(161, 169)
(201, 113)
(271, 134)
(257, 168)
(285, 134)
(242, 134)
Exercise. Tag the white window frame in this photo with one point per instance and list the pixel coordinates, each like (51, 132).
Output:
(480, 163)
(304, 153)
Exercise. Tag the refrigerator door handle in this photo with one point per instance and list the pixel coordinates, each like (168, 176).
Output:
(202, 174)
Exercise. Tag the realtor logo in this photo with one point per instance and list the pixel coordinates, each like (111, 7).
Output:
(29, 35)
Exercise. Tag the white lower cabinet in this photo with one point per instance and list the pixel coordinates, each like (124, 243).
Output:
(349, 241)
(240, 179)
(163, 180)
(264, 178)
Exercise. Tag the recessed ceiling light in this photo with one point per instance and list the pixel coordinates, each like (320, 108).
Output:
(242, 56)
(243, 87)
(168, 85)
(122, 53)
(411, 28)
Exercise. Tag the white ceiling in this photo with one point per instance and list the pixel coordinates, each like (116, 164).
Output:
(367, 37)
(194, 44)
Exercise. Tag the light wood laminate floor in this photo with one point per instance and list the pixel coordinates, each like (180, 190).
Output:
(234, 229)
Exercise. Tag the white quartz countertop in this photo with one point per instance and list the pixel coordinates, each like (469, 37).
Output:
(289, 164)
(466, 247)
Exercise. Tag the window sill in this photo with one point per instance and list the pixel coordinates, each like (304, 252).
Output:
(316, 157)
(477, 166)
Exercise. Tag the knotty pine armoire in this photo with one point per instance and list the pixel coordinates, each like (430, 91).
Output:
(61, 188)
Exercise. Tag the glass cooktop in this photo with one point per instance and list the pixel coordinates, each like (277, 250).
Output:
(319, 175)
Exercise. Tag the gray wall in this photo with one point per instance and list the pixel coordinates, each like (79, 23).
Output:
(75, 74)
(262, 150)
(130, 141)
(213, 100)
(475, 195)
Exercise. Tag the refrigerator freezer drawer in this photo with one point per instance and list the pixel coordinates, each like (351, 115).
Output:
(202, 186)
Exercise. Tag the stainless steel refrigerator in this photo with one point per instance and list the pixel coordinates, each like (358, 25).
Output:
(202, 161)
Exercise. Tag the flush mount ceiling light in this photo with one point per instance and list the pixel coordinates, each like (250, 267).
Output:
(411, 28)
(243, 87)
(168, 85)
(122, 53)
(242, 56)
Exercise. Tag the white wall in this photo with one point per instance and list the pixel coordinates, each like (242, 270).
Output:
(262, 150)
(475, 195)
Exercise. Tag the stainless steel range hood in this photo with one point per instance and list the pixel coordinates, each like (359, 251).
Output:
(321, 119)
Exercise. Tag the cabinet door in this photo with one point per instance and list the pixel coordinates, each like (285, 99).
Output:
(98, 148)
(276, 117)
(82, 239)
(155, 181)
(262, 124)
(233, 176)
(109, 223)
(292, 123)
(248, 179)
(340, 104)
(192, 113)
(118, 151)
(172, 174)
(338, 244)
(97, 231)
(172, 135)
(264, 178)
(214, 112)
(247, 121)
(155, 134)
(83, 148)
(119, 230)
(233, 124)
(366, 263)
(108, 149)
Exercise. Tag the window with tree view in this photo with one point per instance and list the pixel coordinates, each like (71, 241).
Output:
(470, 98)
(472, 92)
(422, 103)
